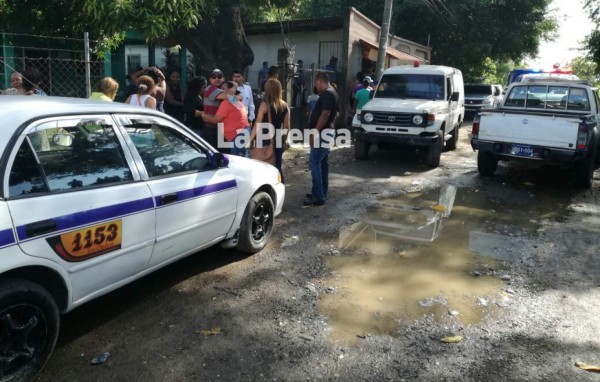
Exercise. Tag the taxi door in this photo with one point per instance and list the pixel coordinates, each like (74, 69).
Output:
(195, 203)
(75, 198)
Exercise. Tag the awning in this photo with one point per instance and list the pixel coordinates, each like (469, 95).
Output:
(394, 52)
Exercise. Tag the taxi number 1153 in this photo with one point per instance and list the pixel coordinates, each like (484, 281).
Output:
(101, 234)
(88, 242)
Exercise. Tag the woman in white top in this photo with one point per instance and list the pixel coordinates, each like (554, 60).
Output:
(142, 97)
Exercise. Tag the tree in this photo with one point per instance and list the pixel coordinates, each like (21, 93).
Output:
(586, 69)
(592, 42)
(462, 33)
(211, 29)
(102, 18)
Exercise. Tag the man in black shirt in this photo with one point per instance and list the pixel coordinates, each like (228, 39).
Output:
(322, 137)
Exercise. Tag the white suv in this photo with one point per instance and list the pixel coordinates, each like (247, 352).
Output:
(419, 106)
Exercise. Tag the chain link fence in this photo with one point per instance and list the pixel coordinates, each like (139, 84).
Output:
(60, 62)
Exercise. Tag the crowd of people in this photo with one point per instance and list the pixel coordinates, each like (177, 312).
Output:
(216, 101)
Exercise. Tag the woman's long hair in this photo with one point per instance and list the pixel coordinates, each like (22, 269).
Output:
(195, 84)
(108, 86)
(274, 94)
(145, 85)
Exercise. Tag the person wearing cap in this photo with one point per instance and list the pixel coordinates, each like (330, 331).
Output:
(331, 69)
(213, 96)
(364, 95)
(245, 91)
(233, 116)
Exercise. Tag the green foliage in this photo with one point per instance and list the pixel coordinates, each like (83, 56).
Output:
(483, 73)
(48, 17)
(104, 19)
(592, 42)
(586, 69)
(157, 19)
(466, 34)
(269, 10)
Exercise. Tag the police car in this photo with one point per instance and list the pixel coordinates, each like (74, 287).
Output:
(95, 195)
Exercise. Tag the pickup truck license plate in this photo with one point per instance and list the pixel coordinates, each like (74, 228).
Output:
(522, 150)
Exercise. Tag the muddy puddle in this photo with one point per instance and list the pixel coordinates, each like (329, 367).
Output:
(439, 253)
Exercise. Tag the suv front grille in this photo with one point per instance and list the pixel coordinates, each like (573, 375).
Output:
(393, 119)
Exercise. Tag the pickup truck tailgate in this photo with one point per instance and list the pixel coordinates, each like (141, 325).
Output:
(539, 130)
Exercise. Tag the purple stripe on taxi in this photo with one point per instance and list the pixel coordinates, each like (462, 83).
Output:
(78, 219)
(201, 191)
(6, 237)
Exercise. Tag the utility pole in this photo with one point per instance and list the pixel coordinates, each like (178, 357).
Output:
(383, 38)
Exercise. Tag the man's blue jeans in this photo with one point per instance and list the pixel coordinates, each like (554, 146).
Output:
(241, 151)
(318, 161)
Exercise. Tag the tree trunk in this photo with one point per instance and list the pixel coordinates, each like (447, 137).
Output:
(219, 42)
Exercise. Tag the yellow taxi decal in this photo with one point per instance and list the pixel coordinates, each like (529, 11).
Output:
(88, 242)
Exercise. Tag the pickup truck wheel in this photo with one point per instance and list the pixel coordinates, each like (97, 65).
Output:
(433, 153)
(584, 173)
(453, 141)
(361, 149)
(487, 163)
(257, 223)
(29, 322)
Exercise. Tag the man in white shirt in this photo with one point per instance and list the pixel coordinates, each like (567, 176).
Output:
(245, 92)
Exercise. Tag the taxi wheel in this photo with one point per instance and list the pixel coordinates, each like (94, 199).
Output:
(29, 322)
(257, 224)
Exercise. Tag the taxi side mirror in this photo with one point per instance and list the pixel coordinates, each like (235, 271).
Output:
(218, 160)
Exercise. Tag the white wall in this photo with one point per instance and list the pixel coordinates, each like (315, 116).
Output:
(265, 48)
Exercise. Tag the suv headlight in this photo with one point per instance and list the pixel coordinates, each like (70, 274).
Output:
(368, 117)
(417, 120)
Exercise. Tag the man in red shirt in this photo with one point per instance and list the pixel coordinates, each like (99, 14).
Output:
(232, 115)
(213, 96)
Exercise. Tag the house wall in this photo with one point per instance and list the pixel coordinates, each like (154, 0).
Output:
(356, 27)
(266, 46)
(141, 51)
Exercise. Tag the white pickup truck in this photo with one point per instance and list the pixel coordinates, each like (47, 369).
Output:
(549, 121)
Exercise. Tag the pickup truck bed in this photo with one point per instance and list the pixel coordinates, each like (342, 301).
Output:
(545, 121)
(546, 129)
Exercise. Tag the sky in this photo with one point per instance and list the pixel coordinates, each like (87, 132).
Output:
(574, 25)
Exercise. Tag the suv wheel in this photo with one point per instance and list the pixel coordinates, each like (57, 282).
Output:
(29, 322)
(487, 163)
(361, 149)
(433, 153)
(257, 223)
(453, 141)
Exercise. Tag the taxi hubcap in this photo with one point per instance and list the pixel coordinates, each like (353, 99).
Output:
(262, 220)
(22, 330)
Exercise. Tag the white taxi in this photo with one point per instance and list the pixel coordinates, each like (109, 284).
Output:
(95, 195)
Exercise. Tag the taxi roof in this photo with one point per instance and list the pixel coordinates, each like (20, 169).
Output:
(16, 110)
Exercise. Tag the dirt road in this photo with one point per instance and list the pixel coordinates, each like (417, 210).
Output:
(401, 257)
